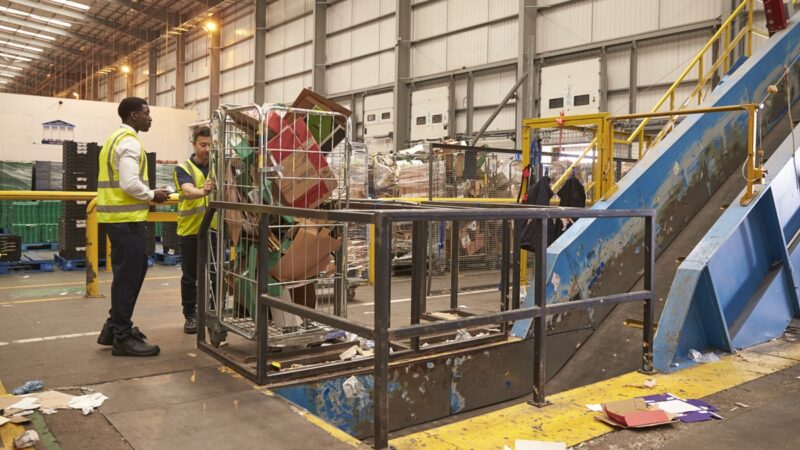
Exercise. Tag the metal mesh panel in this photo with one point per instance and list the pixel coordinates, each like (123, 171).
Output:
(279, 156)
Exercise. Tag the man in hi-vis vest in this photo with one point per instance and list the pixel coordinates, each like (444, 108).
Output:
(123, 197)
(193, 184)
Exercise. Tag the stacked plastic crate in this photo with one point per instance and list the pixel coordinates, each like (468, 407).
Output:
(80, 164)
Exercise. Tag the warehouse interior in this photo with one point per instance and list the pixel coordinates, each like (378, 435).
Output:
(439, 224)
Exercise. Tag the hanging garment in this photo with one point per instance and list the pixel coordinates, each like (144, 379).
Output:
(538, 194)
(573, 195)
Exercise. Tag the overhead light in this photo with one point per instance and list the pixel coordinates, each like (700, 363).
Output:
(28, 33)
(75, 94)
(9, 75)
(6, 66)
(71, 4)
(22, 46)
(3, 82)
(14, 57)
(125, 68)
(46, 20)
(210, 26)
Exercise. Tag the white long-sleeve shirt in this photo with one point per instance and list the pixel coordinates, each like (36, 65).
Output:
(127, 158)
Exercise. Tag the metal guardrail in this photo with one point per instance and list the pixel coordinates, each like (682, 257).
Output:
(382, 216)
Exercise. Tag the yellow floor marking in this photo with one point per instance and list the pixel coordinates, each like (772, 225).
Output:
(9, 431)
(75, 283)
(79, 297)
(567, 419)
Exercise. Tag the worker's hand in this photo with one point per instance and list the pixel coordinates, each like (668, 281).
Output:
(208, 186)
(160, 195)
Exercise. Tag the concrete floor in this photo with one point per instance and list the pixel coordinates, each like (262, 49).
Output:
(184, 398)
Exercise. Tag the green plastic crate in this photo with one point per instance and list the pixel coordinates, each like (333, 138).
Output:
(28, 232)
(24, 212)
(49, 211)
(16, 176)
(48, 232)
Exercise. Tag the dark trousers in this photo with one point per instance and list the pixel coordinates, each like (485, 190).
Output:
(189, 269)
(129, 265)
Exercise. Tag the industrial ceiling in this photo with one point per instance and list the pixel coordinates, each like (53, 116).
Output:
(47, 46)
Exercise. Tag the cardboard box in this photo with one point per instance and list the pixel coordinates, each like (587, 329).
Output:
(308, 254)
(634, 413)
(327, 131)
(306, 180)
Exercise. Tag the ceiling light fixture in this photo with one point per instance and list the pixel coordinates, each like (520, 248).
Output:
(71, 4)
(210, 26)
(75, 94)
(5, 66)
(9, 75)
(28, 33)
(47, 20)
(125, 68)
(21, 46)
(15, 57)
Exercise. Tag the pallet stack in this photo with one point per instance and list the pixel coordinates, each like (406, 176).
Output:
(80, 168)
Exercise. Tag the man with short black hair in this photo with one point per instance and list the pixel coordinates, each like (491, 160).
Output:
(193, 183)
(123, 198)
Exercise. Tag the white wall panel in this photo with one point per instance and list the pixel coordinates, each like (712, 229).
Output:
(505, 120)
(294, 32)
(236, 79)
(102, 89)
(196, 91)
(429, 57)
(502, 41)
(490, 89)
(503, 8)
(166, 57)
(467, 49)
(364, 74)
(564, 26)
(663, 61)
(284, 10)
(616, 18)
(428, 20)
(387, 6)
(618, 69)
(167, 99)
(387, 67)
(680, 12)
(465, 13)
(386, 37)
(237, 30)
(237, 54)
(275, 40)
(338, 78)
(339, 16)
(338, 47)
(364, 10)
(461, 93)
(196, 47)
(196, 70)
(363, 39)
(646, 99)
(618, 103)
(140, 91)
(202, 109)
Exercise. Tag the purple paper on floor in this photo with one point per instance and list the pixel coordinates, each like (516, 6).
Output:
(701, 404)
(658, 398)
(695, 416)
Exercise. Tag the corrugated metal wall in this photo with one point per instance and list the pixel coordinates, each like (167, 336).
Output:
(448, 37)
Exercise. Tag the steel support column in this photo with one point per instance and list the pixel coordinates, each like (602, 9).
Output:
(318, 46)
(603, 79)
(633, 78)
(152, 75)
(213, 72)
(180, 71)
(526, 55)
(110, 79)
(402, 73)
(129, 79)
(260, 55)
(470, 103)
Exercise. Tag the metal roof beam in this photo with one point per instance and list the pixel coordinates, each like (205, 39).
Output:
(171, 19)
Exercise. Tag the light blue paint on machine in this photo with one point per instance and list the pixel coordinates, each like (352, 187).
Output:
(739, 286)
(676, 178)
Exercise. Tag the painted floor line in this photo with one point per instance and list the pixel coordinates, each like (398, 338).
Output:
(403, 300)
(79, 297)
(76, 335)
(74, 283)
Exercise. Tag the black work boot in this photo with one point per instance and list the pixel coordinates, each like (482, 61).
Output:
(190, 326)
(132, 346)
(107, 335)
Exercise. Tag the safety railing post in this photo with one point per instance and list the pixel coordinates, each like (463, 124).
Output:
(382, 294)
(649, 284)
(92, 284)
(540, 321)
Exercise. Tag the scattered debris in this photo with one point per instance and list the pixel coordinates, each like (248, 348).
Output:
(696, 356)
(29, 386)
(194, 376)
(742, 405)
(25, 403)
(595, 407)
(26, 439)
(192, 355)
(634, 413)
(462, 335)
(520, 444)
(48, 411)
(349, 353)
(354, 388)
(649, 383)
(87, 403)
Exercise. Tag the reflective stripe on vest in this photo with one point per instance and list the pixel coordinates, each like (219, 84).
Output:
(191, 211)
(113, 204)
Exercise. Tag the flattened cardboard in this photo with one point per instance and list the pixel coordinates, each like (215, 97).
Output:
(305, 295)
(634, 413)
(326, 133)
(307, 256)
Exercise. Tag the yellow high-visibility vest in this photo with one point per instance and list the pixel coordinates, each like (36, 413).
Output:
(191, 211)
(113, 204)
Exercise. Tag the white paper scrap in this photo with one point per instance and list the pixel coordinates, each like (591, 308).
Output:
(595, 407)
(3, 421)
(26, 403)
(87, 403)
(676, 406)
(520, 444)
